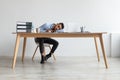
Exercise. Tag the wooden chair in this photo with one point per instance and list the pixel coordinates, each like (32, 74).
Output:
(45, 45)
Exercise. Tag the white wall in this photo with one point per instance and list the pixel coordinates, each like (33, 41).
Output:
(96, 15)
(115, 44)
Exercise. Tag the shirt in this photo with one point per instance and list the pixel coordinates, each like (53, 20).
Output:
(48, 26)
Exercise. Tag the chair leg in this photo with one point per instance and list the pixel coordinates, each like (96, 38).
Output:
(54, 57)
(53, 53)
(34, 52)
(44, 53)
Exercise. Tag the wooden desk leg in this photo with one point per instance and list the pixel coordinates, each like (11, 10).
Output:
(16, 50)
(24, 47)
(98, 56)
(103, 51)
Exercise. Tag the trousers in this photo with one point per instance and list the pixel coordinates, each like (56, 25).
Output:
(43, 40)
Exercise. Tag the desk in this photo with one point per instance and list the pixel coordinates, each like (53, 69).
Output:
(59, 35)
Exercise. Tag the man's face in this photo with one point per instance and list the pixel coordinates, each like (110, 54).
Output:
(58, 27)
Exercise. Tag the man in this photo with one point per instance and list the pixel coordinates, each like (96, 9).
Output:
(48, 27)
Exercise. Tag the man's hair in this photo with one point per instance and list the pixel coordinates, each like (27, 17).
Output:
(62, 25)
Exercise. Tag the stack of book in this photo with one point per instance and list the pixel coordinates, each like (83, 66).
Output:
(24, 27)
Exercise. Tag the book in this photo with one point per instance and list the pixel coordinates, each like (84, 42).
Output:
(24, 24)
(24, 27)
(24, 30)
(21, 31)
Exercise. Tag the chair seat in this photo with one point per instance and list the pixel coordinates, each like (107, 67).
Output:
(46, 44)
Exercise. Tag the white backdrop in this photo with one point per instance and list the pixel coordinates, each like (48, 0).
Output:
(96, 15)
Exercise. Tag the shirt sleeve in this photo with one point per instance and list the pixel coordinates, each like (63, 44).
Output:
(60, 31)
(42, 28)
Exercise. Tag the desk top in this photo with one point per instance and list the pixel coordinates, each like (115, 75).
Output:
(64, 34)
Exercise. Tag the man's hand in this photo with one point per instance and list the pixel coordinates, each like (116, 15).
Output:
(50, 31)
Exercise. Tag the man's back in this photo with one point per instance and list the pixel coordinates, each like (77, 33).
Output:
(46, 26)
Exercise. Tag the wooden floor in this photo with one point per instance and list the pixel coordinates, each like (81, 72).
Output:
(65, 68)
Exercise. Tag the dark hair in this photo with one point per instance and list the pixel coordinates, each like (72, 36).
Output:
(62, 25)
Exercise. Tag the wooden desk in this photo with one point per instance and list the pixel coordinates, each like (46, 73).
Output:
(59, 35)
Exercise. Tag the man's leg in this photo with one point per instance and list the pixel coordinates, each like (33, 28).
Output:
(41, 47)
(54, 47)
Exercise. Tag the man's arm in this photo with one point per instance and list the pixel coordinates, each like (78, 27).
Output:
(60, 31)
(51, 31)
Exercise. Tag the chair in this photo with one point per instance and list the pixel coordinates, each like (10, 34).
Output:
(45, 45)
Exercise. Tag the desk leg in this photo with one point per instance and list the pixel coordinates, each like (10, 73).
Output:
(103, 51)
(24, 47)
(16, 50)
(98, 56)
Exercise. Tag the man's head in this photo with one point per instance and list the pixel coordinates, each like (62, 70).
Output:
(58, 26)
